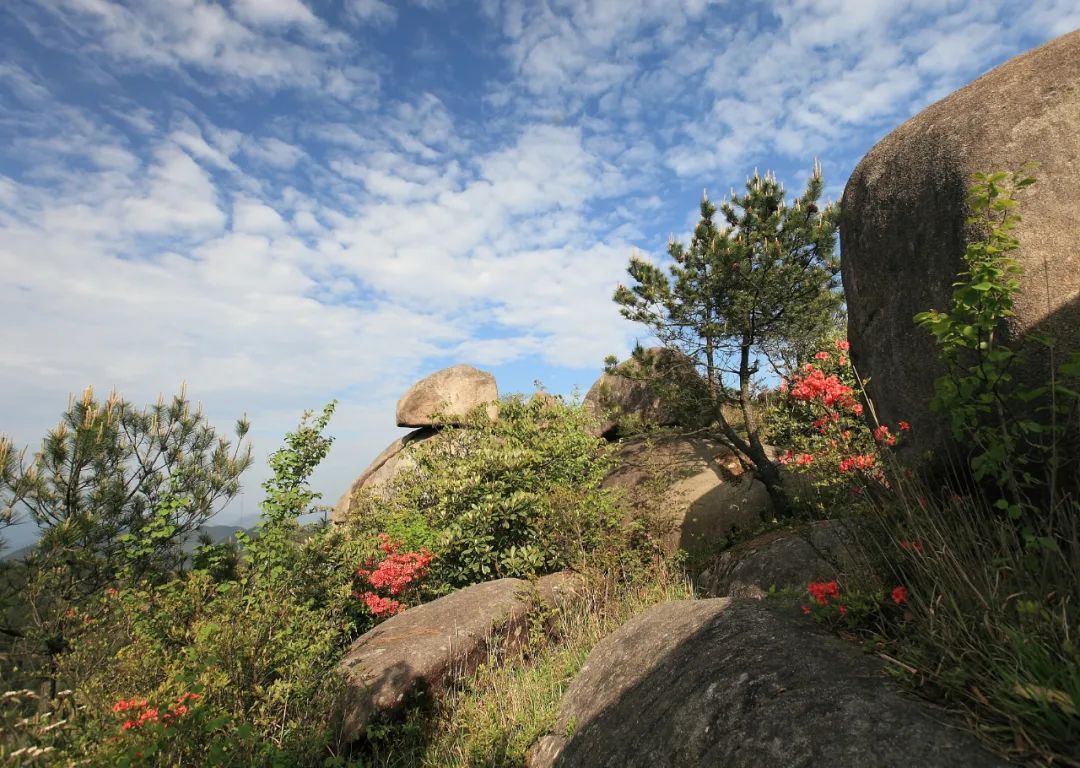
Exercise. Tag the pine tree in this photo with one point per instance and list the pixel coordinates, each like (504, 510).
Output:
(762, 286)
(115, 491)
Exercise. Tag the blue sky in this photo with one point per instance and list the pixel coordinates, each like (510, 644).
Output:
(280, 202)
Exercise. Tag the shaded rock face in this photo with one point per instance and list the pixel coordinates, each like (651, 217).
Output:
(696, 481)
(383, 469)
(902, 228)
(820, 551)
(737, 684)
(626, 394)
(428, 646)
(452, 392)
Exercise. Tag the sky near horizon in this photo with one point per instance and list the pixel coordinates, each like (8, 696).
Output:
(281, 202)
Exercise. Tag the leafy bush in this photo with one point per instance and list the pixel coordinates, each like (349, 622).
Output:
(213, 668)
(518, 496)
(1016, 428)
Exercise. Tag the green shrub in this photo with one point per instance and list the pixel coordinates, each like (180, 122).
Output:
(224, 665)
(518, 496)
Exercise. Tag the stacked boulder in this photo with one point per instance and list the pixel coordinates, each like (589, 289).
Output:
(444, 398)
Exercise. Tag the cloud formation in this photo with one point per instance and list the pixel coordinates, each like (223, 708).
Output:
(280, 202)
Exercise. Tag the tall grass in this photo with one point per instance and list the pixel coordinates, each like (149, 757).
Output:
(993, 616)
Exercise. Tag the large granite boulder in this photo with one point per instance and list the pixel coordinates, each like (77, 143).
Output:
(653, 391)
(787, 558)
(741, 684)
(449, 394)
(696, 484)
(903, 232)
(429, 646)
(385, 467)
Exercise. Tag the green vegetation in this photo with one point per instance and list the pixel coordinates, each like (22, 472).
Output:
(231, 661)
(982, 614)
(762, 286)
(519, 496)
(122, 652)
(115, 491)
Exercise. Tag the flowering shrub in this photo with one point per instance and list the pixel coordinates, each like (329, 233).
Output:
(142, 713)
(396, 574)
(821, 420)
(855, 608)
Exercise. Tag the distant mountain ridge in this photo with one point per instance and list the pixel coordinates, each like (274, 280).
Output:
(217, 534)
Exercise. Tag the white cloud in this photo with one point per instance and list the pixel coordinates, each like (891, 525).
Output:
(375, 11)
(274, 12)
(177, 196)
(252, 217)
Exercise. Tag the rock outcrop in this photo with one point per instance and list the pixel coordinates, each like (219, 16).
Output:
(790, 558)
(644, 393)
(449, 394)
(740, 685)
(697, 484)
(383, 469)
(430, 645)
(903, 233)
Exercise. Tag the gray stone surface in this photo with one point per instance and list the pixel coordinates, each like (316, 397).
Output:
(452, 392)
(425, 647)
(629, 392)
(740, 685)
(788, 558)
(696, 483)
(902, 229)
(382, 470)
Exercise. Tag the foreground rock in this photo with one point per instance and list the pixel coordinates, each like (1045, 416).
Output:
(640, 393)
(739, 685)
(429, 646)
(451, 394)
(902, 230)
(383, 469)
(695, 484)
(789, 558)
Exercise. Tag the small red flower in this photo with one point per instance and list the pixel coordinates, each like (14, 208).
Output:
(900, 594)
(842, 609)
(822, 591)
(821, 356)
(806, 610)
(882, 435)
(843, 345)
(904, 426)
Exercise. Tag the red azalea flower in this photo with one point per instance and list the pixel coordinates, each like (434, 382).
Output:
(900, 594)
(843, 345)
(904, 426)
(821, 356)
(821, 591)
